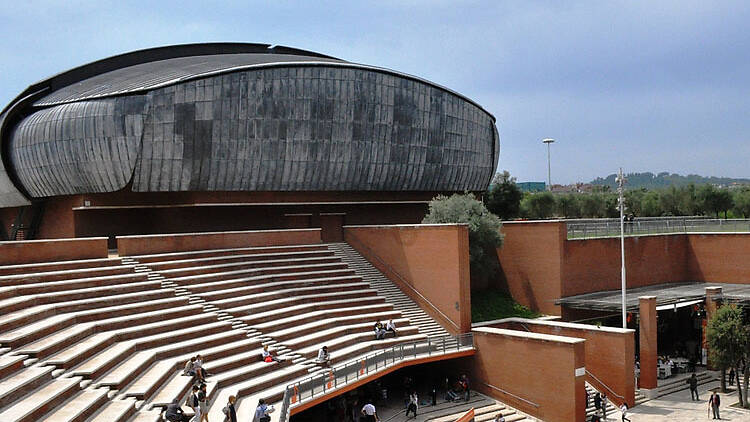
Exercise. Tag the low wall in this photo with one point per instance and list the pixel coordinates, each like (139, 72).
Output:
(609, 352)
(719, 257)
(31, 251)
(535, 373)
(162, 243)
(429, 262)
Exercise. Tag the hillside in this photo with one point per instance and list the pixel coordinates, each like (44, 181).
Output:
(650, 180)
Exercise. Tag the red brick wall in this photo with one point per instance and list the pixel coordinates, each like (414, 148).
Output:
(595, 264)
(536, 367)
(531, 263)
(610, 354)
(431, 259)
(160, 243)
(29, 251)
(720, 258)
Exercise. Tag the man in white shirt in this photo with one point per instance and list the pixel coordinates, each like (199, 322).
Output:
(391, 326)
(369, 412)
(323, 356)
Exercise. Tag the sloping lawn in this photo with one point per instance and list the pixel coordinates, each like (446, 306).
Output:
(494, 304)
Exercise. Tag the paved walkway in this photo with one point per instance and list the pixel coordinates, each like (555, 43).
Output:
(678, 407)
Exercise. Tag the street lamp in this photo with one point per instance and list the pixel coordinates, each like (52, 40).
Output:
(549, 166)
(621, 201)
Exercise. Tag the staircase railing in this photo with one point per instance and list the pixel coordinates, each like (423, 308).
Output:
(337, 377)
(609, 390)
(406, 283)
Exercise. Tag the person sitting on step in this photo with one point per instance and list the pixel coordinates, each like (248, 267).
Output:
(379, 331)
(323, 356)
(391, 327)
(267, 356)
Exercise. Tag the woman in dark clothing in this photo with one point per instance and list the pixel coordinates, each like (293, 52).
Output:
(231, 412)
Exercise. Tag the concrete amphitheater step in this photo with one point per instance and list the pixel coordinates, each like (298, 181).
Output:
(68, 284)
(204, 269)
(266, 298)
(79, 407)
(291, 273)
(291, 307)
(10, 364)
(219, 252)
(18, 385)
(42, 267)
(329, 320)
(35, 313)
(228, 295)
(19, 280)
(225, 259)
(385, 287)
(338, 332)
(37, 403)
(115, 411)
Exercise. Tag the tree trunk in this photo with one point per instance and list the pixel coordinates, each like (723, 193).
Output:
(723, 380)
(745, 384)
(739, 387)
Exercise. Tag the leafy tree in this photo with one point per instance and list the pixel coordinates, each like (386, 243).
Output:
(715, 200)
(690, 203)
(504, 197)
(634, 200)
(729, 341)
(538, 206)
(593, 205)
(569, 205)
(669, 201)
(650, 204)
(484, 230)
(742, 202)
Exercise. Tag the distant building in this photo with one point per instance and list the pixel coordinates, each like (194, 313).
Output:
(532, 186)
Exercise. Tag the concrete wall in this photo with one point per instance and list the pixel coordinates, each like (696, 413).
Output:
(538, 368)
(161, 243)
(29, 251)
(430, 263)
(610, 354)
(539, 265)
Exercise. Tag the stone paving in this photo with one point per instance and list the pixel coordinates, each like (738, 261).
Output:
(678, 407)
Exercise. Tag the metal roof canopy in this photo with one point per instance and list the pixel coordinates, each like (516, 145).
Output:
(666, 294)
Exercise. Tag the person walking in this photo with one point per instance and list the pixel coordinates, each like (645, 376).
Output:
(731, 376)
(368, 411)
(413, 404)
(203, 403)
(262, 411)
(597, 402)
(231, 412)
(624, 410)
(693, 381)
(194, 403)
(713, 405)
(604, 406)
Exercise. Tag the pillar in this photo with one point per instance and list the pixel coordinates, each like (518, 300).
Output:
(648, 341)
(713, 298)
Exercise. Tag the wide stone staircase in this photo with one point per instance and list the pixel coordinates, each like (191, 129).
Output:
(106, 339)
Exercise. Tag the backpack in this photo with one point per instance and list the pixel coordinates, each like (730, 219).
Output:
(194, 401)
(225, 410)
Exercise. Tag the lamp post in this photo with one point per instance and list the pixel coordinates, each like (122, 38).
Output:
(549, 166)
(621, 201)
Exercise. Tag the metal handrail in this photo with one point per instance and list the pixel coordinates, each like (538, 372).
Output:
(643, 226)
(605, 386)
(405, 282)
(390, 357)
(511, 394)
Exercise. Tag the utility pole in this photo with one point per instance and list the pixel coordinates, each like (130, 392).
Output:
(549, 166)
(621, 201)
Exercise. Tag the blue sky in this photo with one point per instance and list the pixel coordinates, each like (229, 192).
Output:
(646, 85)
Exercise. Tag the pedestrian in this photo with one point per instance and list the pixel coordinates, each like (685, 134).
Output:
(624, 410)
(194, 403)
(465, 386)
(413, 404)
(604, 406)
(586, 395)
(693, 381)
(203, 404)
(731, 376)
(597, 402)
(499, 418)
(713, 405)
(434, 396)
(368, 411)
(262, 411)
(229, 409)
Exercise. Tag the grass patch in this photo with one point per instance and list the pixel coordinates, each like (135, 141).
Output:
(495, 304)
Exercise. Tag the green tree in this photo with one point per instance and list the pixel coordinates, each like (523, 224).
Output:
(729, 341)
(715, 200)
(650, 204)
(690, 203)
(484, 231)
(593, 205)
(568, 205)
(634, 200)
(504, 197)
(742, 202)
(669, 201)
(538, 205)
